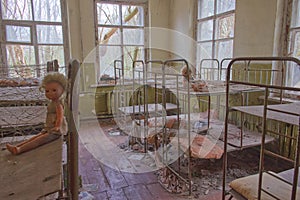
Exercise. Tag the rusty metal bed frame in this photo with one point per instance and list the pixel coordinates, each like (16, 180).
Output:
(168, 83)
(285, 113)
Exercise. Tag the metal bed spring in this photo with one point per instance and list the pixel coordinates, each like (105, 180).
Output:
(266, 110)
(158, 80)
(185, 63)
(22, 104)
(143, 106)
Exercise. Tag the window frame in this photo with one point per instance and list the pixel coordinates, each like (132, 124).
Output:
(214, 41)
(33, 24)
(121, 27)
(292, 33)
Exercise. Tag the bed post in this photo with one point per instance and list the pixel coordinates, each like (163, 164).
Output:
(72, 142)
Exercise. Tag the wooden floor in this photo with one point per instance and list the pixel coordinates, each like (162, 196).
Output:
(108, 182)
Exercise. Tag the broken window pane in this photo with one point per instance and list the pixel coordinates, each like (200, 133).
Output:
(109, 35)
(132, 15)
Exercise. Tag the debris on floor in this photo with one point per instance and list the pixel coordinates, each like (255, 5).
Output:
(86, 196)
(207, 174)
(85, 191)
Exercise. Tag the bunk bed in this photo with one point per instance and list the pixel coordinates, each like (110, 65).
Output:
(39, 172)
(267, 184)
(21, 103)
(187, 131)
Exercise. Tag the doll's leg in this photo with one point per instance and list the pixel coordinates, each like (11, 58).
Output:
(32, 143)
(30, 139)
(13, 148)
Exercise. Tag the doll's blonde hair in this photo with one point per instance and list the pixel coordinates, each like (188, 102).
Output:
(55, 77)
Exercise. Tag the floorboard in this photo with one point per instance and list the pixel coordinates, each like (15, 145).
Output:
(32, 174)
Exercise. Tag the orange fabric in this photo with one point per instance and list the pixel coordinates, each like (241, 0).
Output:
(202, 147)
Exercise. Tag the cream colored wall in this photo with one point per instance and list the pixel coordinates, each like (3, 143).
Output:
(159, 21)
(81, 27)
(254, 27)
(88, 28)
(182, 24)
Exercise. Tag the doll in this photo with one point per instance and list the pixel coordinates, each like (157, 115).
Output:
(187, 75)
(54, 86)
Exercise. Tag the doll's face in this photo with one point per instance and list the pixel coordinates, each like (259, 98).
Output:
(53, 90)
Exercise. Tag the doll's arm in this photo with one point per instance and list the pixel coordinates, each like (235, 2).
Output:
(59, 116)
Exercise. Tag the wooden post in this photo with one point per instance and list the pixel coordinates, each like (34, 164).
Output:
(73, 100)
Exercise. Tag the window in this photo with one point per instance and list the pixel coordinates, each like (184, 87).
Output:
(215, 29)
(33, 33)
(120, 35)
(293, 76)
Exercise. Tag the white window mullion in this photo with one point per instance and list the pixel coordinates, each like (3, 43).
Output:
(122, 34)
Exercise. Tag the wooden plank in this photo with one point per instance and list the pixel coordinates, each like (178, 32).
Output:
(137, 192)
(140, 178)
(32, 174)
(102, 149)
(116, 194)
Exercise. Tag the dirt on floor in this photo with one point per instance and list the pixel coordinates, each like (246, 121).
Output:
(207, 174)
